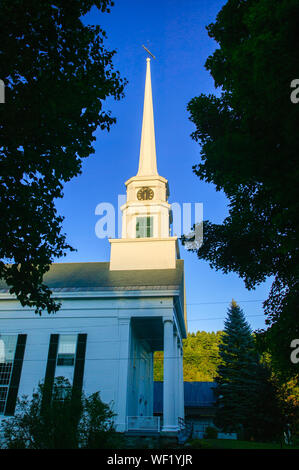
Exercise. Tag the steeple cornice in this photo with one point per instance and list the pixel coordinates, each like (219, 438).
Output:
(139, 178)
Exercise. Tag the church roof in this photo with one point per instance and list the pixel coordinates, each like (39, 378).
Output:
(96, 276)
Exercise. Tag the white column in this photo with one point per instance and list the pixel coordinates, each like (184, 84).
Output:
(123, 364)
(181, 385)
(176, 378)
(169, 424)
(151, 394)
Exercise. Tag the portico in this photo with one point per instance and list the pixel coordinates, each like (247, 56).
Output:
(150, 334)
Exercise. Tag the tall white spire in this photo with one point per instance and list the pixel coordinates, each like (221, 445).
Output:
(147, 157)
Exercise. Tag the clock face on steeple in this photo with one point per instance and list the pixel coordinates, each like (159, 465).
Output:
(145, 193)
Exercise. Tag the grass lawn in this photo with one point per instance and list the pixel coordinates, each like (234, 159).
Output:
(236, 444)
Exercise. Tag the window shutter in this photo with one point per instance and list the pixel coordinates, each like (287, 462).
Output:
(15, 376)
(50, 369)
(140, 227)
(149, 227)
(80, 362)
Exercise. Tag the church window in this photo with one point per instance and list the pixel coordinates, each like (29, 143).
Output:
(66, 350)
(8, 345)
(144, 227)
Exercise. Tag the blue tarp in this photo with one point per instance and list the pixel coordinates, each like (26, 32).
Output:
(196, 394)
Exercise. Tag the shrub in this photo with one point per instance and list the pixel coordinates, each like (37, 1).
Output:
(210, 433)
(60, 418)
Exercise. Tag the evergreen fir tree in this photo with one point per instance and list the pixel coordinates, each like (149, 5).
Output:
(247, 396)
(237, 374)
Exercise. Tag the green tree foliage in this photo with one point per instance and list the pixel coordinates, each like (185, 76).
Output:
(96, 428)
(272, 405)
(57, 75)
(247, 399)
(249, 149)
(287, 394)
(200, 357)
(69, 421)
(158, 366)
(271, 414)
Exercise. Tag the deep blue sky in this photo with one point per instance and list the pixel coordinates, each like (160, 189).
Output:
(174, 30)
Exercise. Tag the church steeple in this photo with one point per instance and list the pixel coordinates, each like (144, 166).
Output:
(146, 242)
(147, 156)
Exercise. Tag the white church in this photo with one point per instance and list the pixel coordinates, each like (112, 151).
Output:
(114, 315)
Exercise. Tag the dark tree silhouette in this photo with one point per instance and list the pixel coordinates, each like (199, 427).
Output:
(57, 75)
(249, 149)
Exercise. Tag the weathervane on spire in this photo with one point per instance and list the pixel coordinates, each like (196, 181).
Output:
(148, 51)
